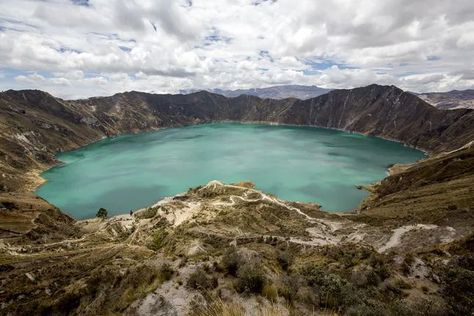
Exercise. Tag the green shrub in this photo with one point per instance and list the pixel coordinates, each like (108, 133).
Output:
(199, 280)
(363, 275)
(158, 241)
(382, 271)
(459, 290)
(289, 287)
(373, 278)
(348, 256)
(366, 310)
(284, 260)
(101, 213)
(396, 286)
(251, 278)
(312, 274)
(231, 261)
(380, 265)
(165, 272)
(332, 290)
(307, 296)
(418, 307)
(407, 263)
(148, 213)
(401, 284)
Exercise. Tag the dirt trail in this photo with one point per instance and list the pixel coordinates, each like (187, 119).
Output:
(398, 233)
(263, 197)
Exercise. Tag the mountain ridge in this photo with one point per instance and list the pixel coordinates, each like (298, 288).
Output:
(454, 99)
(38, 125)
(302, 92)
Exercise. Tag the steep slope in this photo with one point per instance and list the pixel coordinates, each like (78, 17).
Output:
(33, 127)
(26, 218)
(388, 112)
(456, 99)
(438, 190)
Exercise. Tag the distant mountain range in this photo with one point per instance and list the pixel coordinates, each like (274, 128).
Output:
(273, 92)
(456, 99)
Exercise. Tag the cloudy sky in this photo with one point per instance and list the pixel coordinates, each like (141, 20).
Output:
(80, 48)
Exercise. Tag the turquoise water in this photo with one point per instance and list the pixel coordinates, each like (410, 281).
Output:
(295, 163)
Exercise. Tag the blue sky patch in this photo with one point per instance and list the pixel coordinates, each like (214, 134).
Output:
(315, 66)
(433, 58)
(125, 49)
(68, 50)
(266, 55)
(81, 2)
(215, 37)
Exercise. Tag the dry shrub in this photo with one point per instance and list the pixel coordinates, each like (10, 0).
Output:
(200, 280)
(270, 291)
(272, 310)
(218, 307)
(231, 261)
(251, 278)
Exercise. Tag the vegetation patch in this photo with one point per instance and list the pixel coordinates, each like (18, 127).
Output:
(201, 280)
(149, 212)
(251, 278)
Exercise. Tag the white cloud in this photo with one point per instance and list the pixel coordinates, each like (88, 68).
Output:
(109, 46)
(30, 79)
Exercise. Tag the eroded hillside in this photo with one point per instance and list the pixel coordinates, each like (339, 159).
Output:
(220, 248)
